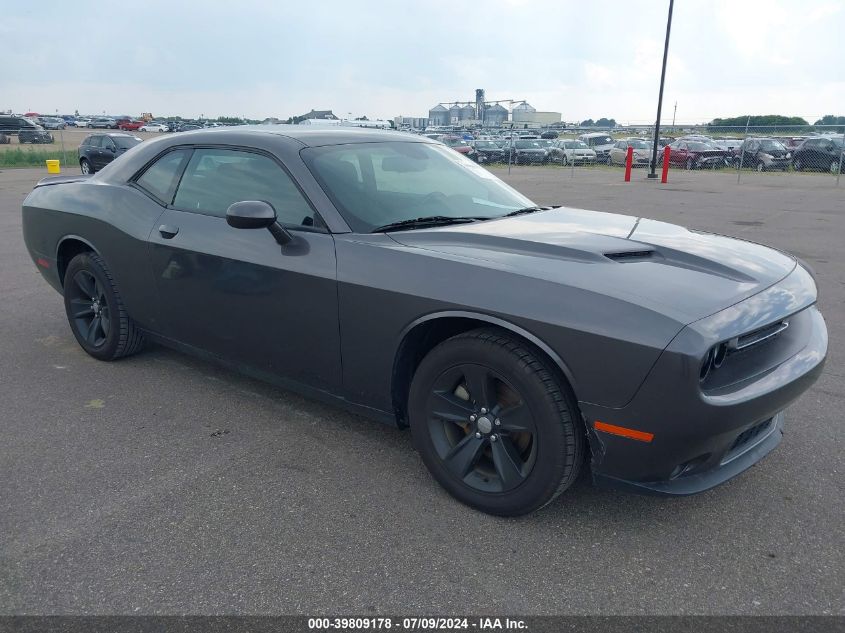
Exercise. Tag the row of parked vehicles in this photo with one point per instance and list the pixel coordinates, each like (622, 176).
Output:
(819, 152)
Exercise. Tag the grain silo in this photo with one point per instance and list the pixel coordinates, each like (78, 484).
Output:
(454, 114)
(438, 115)
(495, 115)
(523, 113)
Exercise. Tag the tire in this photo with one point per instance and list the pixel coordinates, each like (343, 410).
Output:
(690, 164)
(796, 164)
(95, 311)
(834, 167)
(564, 161)
(86, 166)
(760, 166)
(516, 457)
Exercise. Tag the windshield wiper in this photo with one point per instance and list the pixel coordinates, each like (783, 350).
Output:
(426, 221)
(525, 210)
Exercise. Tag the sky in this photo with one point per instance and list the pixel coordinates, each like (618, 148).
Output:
(383, 59)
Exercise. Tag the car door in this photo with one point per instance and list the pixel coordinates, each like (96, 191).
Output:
(93, 146)
(237, 293)
(679, 154)
(107, 151)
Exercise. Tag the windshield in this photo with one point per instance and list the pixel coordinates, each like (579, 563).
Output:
(698, 146)
(125, 142)
(600, 140)
(639, 144)
(771, 145)
(486, 145)
(374, 184)
(575, 145)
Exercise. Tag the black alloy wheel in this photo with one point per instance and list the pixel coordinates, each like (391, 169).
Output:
(493, 423)
(95, 311)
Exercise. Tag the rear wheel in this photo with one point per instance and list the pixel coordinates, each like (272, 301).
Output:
(760, 166)
(796, 165)
(95, 311)
(834, 167)
(494, 425)
(690, 163)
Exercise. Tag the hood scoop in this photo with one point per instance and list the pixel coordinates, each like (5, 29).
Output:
(631, 256)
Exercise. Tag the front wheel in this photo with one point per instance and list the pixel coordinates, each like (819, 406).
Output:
(834, 167)
(85, 166)
(690, 163)
(95, 311)
(760, 166)
(493, 423)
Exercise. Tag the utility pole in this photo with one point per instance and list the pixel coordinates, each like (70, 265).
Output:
(673, 116)
(653, 173)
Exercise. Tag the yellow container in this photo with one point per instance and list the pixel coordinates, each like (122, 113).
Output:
(53, 167)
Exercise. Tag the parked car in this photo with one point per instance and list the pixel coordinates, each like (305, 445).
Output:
(819, 152)
(601, 143)
(82, 122)
(526, 151)
(129, 125)
(103, 123)
(567, 151)
(488, 152)
(549, 134)
(98, 150)
(642, 152)
(762, 154)
(409, 284)
(791, 143)
(26, 130)
(52, 123)
(459, 145)
(152, 126)
(695, 155)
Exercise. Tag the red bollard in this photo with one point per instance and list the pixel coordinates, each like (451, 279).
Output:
(629, 162)
(665, 175)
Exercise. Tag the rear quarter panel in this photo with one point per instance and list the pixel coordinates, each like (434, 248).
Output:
(114, 220)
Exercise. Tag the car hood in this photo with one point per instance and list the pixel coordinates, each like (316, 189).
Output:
(684, 274)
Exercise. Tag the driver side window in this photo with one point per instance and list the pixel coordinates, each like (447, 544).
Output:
(217, 178)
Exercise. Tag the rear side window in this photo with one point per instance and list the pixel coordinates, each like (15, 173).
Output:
(217, 178)
(159, 180)
(94, 141)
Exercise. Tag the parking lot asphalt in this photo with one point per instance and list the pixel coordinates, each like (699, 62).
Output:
(163, 484)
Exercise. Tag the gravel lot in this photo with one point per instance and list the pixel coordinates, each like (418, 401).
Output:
(162, 484)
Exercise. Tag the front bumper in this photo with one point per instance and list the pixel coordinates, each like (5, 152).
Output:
(705, 433)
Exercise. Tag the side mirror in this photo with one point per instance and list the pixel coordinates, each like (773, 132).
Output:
(250, 214)
(257, 214)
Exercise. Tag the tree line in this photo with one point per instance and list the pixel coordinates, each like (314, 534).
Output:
(785, 123)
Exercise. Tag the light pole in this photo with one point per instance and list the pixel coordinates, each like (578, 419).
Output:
(653, 172)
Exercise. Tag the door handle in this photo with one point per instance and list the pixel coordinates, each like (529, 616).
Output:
(168, 231)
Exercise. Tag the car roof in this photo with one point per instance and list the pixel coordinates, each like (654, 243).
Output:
(307, 135)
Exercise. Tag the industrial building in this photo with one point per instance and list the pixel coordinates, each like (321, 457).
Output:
(489, 113)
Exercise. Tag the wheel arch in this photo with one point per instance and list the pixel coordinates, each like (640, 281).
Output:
(422, 335)
(69, 247)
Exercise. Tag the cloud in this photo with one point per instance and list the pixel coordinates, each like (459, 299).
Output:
(381, 59)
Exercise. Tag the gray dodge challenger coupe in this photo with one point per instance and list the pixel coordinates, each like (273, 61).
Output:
(390, 274)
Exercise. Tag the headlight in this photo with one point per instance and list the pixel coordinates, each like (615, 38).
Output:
(789, 154)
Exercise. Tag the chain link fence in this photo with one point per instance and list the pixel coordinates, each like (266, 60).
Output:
(728, 150)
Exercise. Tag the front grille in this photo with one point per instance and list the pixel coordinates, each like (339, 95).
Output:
(749, 435)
